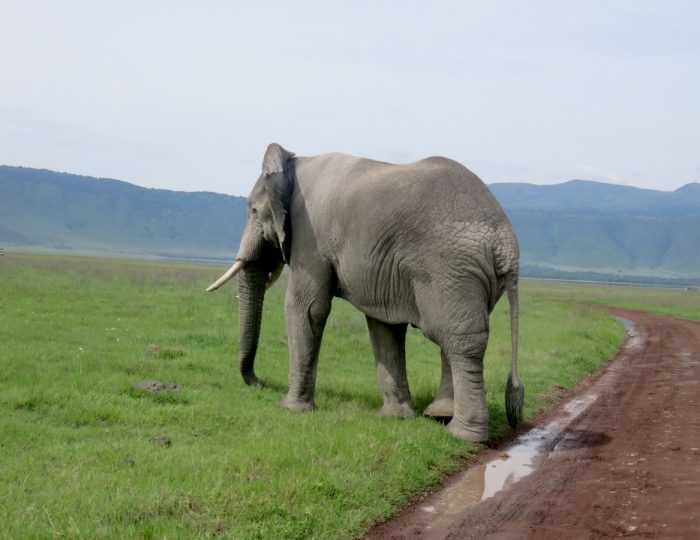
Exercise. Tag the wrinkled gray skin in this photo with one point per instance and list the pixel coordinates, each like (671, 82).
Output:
(424, 244)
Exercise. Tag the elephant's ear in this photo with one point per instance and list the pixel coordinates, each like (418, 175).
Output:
(279, 185)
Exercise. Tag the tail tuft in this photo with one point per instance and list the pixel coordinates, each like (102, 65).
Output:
(515, 400)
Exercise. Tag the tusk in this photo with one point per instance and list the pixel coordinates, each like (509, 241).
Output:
(274, 276)
(227, 276)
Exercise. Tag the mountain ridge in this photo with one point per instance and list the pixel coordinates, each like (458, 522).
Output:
(62, 211)
(575, 226)
(592, 197)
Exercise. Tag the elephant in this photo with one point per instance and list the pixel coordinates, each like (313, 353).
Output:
(424, 244)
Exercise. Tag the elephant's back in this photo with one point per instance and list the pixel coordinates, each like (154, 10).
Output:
(362, 195)
(431, 186)
(438, 202)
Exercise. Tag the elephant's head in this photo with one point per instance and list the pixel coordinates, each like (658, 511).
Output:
(264, 248)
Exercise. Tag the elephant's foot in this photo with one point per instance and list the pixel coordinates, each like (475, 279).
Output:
(296, 404)
(476, 433)
(251, 379)
(440, 408)
(399, 409)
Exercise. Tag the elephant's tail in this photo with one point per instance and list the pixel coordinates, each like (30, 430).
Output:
(515, 391)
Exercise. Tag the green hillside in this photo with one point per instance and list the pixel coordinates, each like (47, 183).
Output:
(605, 228)
(46, 210)
(574, 227)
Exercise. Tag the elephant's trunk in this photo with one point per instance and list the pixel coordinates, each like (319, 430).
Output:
(251, 292)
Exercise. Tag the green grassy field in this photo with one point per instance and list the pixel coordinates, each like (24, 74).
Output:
(84, 454)
(675, 302)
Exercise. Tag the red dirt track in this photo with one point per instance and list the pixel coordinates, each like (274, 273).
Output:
(627, 466)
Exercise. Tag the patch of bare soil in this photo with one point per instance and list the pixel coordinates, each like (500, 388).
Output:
(156, 386)
(619, 458)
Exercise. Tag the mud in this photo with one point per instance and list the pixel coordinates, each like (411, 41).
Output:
(619, 457)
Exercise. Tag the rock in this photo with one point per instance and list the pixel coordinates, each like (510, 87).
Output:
(162, 441)
(158, 350)
(156, 386)
(154, 348)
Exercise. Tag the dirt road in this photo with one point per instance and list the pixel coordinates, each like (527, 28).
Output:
(620, 457)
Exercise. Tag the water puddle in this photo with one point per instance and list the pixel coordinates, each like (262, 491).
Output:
(521, 458)
(636, 339)
(516, 462)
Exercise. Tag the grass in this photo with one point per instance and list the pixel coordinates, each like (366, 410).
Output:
(674, 302)
(83, 454)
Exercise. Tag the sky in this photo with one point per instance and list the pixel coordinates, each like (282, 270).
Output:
(187, 95)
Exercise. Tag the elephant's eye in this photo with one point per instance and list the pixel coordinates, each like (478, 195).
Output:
(254, 211)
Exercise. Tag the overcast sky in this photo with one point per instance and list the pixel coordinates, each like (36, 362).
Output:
(187, 95)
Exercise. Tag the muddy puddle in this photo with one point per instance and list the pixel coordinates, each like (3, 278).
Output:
(635, 339)
(522, 457)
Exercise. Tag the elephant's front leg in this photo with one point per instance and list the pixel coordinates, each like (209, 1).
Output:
(443, 404)
(389, 346)
(306, 311)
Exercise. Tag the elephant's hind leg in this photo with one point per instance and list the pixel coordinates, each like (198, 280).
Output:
(443, 404)
(389, 346)
(466, 358)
